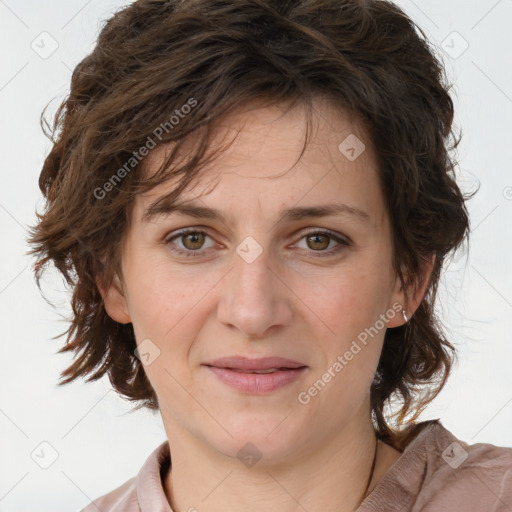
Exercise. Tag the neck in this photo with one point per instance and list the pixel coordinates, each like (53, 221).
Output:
(333, 475)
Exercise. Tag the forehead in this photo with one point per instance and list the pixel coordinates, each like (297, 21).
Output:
(264, 165)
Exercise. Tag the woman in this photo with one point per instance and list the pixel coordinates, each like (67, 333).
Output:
(253, 201)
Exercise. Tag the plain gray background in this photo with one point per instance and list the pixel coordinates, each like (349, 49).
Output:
(97, 445)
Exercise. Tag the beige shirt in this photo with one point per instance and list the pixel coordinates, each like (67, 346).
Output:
(435, 473)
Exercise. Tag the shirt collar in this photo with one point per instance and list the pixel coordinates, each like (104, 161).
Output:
(150, 491)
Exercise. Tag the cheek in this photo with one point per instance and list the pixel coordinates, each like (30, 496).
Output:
(162, 313)
(351, 307)
(159, 296)
(167, 308)
(351, 300)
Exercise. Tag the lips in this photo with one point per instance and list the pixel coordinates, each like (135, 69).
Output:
(256, 376)
(260, 365)
(269, 370)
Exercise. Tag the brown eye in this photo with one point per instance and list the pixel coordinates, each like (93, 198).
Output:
(193, 240)
(189, 243)
(318, 241)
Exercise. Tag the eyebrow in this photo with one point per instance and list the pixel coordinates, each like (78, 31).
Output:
(290, 214)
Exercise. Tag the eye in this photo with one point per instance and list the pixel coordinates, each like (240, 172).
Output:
(318, 241)
(192, 242)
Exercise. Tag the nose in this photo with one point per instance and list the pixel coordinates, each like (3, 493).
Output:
(254, 297)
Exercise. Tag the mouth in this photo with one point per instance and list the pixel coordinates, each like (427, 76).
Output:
(268, 370)
(256, 376)
(265, 364)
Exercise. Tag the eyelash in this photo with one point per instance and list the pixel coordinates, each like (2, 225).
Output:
(194, 254)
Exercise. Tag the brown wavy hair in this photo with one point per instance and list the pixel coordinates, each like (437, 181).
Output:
(151, 59)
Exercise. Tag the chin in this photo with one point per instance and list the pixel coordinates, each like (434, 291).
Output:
(264, 437)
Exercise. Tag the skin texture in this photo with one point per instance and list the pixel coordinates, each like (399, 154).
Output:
(288, 302)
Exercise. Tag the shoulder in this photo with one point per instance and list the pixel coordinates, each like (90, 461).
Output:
(438, 472)
(142, 491)
(458, 474)
(122, 499)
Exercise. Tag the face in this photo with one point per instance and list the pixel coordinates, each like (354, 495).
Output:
(258, 282)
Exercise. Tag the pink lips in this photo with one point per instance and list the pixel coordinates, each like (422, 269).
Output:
(238, 372)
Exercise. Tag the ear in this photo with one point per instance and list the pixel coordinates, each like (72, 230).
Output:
(115, 301)
(410, 297)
